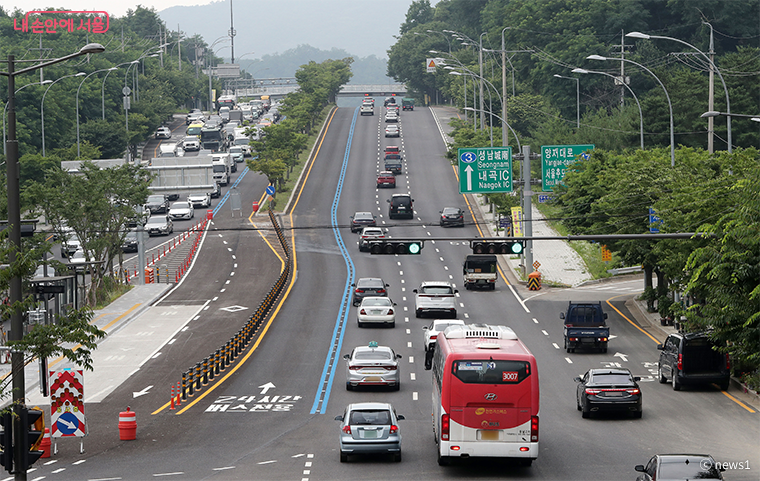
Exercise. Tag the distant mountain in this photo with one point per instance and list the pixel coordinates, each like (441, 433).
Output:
(266, 27)
(366, 70)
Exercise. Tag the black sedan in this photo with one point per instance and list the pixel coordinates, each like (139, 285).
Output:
(452, 216)
(157, 204)
(360, 220)
(608, 390)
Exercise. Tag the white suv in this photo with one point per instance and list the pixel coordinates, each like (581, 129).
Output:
(367, 109)
(435, 297)
(369, 234)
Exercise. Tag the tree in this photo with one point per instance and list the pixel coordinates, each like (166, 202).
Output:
(419, 13)
(96, 204)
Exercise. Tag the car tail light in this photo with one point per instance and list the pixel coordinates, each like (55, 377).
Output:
(390, 368)
(445, 425)
(359, 291)
(347, 429)
(390, 311)
(362, 312)
(603, 339)
(394, 429)
(680, 362)
(573, 339)
(728, 363)
(353, 368)
(633, 391)
(534, 429)
(593, 392)
(433, 338)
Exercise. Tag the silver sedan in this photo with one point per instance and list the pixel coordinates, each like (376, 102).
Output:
(372, 365)
(376, 310)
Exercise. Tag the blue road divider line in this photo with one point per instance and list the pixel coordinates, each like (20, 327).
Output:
(333, 355)
(225, 196)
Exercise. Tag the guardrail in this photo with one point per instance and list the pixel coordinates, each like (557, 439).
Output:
(203, 372)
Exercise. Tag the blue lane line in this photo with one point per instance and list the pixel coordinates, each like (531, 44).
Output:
(224, 198)
(333, 356)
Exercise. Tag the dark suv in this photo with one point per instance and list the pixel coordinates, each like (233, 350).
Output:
(401, 206)
(692, 358)
(367, 287)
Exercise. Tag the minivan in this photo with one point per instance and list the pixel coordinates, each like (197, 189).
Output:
(692, 358)
(401, 206)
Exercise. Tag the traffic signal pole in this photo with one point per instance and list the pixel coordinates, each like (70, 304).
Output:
(527, 211)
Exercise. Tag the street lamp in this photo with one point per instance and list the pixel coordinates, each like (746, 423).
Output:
(79, 88)
(641, 115)
(464, 77)
(14, 225)
(712, 65)
(42, 105)
(103, 89)
(519, 147)
(125, 91)
(670, 105)
(5, 109)
(490, 103)
(713, 113)
(577, 99)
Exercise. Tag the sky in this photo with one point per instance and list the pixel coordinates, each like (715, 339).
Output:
(113, 7)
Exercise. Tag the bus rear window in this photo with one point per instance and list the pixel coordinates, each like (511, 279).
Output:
(491, 372)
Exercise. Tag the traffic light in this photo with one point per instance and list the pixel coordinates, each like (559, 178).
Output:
(396, 247)
(497, 246)
(6, 440)
(32, 431)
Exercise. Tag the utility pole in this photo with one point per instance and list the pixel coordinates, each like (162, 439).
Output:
(623, 81)
(179, 49)
(711, 96)
(527, 213)
(232, 36)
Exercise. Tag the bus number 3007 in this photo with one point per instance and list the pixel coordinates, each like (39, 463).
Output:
(508, 376)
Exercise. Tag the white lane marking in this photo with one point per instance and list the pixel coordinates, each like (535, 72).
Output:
(223, 468)
(227, 281)
(412, 376)
(234, 265)
(401, 273)
(177, 473)
(307, 464)
(172, 341)
(411, 359)
(409, 344)
(268, 462)
(569, 361)
(414, 396)
(403, 298)
(217, 297)
(544, 332)
(232, 273)
(222, 290)
(466, 316)
(556, 346)
(406, 308)
(79, 462)
(156, 355)
(53, 461)
(535, 321)
(408, 331)
(445, 268)
(58, 471)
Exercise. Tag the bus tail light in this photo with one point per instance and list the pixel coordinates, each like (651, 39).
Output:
(534, 429)
(445, 425)
(680, 362)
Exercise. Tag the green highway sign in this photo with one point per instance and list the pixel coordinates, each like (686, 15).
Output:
(556, 158)
(485, 170)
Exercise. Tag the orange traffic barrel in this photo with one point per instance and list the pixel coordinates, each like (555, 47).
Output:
(127, 425)
(255, 207)
(210, 214)
(45, 444)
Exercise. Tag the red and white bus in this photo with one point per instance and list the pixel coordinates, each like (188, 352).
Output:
(485, 395)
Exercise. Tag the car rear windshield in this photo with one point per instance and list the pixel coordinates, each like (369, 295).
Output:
(370, 418)
(490, 371)
(615, 379)
(377, 301)
(436, 290)
(689, 469)
(372, 356)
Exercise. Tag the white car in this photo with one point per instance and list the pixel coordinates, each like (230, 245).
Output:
(392, 130)
(391, 117)
(376, 310)
(182, 209)
(372, 365)
(163, 133)
(369, 234)
(367, 109)
(436, 327)
(200, 200)
(435, 297)
(191, 142)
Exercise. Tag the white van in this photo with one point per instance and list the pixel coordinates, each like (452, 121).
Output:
(224, 113)
(227, 159)
(170, 150)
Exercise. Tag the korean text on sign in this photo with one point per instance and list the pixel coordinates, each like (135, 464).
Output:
(55, 21)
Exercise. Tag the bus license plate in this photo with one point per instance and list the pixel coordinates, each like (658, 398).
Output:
(490, 435)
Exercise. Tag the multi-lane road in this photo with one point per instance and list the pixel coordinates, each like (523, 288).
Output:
(272, 417)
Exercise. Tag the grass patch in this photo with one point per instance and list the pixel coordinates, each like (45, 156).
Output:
(286, 188)
(590, 252)
(110, 291)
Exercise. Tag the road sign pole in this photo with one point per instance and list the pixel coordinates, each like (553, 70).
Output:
(527, 214)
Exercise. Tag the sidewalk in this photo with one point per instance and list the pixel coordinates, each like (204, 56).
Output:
(112, 319)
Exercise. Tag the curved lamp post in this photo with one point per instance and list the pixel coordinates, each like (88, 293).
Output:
(42, 105)
(14, 224)
(725, 89)
(641, 115)
(670, 106)
(5, 109)
(78, 89)
(577, 98)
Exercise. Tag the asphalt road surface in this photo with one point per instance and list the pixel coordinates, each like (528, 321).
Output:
(272, 418)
